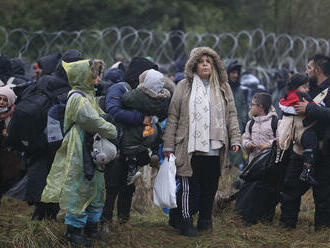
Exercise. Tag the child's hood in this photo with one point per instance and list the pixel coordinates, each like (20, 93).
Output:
(264, 118)
(153, 80)
(152, 83)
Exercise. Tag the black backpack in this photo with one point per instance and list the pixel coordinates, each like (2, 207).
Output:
(28, 121)
(273, 125)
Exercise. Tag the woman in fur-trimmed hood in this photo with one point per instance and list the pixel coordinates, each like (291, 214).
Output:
(201, 126)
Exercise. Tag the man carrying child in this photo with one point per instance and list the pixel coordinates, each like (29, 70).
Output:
(318, 70)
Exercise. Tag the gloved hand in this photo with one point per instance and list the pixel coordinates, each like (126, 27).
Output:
(308, 175)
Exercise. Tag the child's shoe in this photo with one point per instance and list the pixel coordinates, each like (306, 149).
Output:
(154, 161)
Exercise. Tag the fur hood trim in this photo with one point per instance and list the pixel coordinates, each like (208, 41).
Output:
(196, 54)
(164, 93)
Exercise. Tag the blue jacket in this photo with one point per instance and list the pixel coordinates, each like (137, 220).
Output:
(129, 122)
(115, 108)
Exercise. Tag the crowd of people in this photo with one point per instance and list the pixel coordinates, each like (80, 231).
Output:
(209, 115)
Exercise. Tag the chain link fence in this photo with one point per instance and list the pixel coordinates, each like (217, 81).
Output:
(257, 50)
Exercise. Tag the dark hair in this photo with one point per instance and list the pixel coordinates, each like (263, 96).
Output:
(323, 62)
(264, 99)
(296, 80)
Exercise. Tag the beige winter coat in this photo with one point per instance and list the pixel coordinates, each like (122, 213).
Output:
(177, 127)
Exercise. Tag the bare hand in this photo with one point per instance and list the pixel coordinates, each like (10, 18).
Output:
(300, 107)
(235, 148)
(251, 146)
(167, 154)
(147, 120)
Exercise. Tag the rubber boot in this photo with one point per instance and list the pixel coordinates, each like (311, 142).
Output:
(175, 218)
(52, 210)
(204, 225)
(187, 229)
(39, 211)
(91, 231)
(74, 235)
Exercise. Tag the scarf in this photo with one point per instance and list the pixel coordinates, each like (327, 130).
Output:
(206, 117)
(8, 113)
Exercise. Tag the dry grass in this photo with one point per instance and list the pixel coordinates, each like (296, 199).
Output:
(148, 228)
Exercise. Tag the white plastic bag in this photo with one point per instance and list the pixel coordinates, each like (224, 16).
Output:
(165, 185)
(103, 151)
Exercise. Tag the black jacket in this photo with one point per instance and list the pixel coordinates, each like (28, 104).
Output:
(321, 114)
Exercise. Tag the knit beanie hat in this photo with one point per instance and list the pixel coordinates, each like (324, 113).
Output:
(297, 80)
(9, 93)
(135, 68)
(154, 80)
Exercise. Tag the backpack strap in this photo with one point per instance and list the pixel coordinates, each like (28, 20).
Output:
(76, 91)
(251, 125)
(320, 97)
(73, 92)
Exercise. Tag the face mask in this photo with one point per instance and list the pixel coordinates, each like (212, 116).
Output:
(3, 109)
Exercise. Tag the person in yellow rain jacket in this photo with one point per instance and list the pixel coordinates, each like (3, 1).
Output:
(83, 199)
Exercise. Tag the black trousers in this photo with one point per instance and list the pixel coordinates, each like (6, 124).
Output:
(293, 189)
(196, 193)
(310, 145)
(116, 186)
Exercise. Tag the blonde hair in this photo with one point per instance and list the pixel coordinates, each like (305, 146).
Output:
(214, 78)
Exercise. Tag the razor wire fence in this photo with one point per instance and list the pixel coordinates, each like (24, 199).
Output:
(256, 50)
